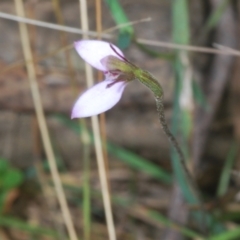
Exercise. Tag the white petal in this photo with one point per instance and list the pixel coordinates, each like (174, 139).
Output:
(98, 99)
(92, 51)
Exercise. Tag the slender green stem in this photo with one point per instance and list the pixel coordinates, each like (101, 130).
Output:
(150, 82)
(173, 141)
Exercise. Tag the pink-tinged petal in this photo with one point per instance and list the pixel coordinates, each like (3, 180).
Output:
(92, 51)
(98, 99)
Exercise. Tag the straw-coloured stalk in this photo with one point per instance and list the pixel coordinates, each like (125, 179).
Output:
(225, 51)
(97, 138)
(42, 122)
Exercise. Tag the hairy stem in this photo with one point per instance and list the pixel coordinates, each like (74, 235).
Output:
(172, 139)
(150, 82)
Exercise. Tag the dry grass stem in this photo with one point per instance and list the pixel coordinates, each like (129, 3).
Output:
(187, 47)
(102, 117)
(42, 122)
(97, 138)
(94, 34)
(49, 25)
(127, 24)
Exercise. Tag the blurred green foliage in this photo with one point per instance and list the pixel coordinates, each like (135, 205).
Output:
(120, 18)
(10, 178)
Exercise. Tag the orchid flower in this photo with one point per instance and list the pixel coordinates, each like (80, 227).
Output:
(104, 95)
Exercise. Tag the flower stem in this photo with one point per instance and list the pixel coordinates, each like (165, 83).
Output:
(150, 82)
(173, 141)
